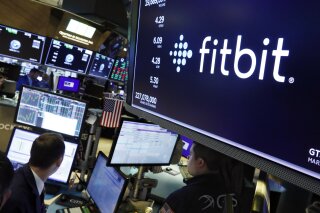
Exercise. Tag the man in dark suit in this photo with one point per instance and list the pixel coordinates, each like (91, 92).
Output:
(6, 175)
(46, 156)
(30, 79)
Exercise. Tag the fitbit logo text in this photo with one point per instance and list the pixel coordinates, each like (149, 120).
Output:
(278, 53)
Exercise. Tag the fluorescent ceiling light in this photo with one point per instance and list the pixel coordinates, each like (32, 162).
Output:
(80, 28)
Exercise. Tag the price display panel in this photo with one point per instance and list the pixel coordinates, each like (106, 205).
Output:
(243, 73)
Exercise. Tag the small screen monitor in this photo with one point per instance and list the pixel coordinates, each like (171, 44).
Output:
(68, 56)
(119, 72)
(18, 152)
(101, 66)
(187, 143)
(68, 84)
(141, 143)
(106, 185)
(21, 44)
(51, 111)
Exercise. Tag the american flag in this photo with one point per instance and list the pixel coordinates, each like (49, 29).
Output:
(111, 112)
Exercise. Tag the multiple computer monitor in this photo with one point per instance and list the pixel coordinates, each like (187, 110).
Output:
(38, 49)
(18, 152)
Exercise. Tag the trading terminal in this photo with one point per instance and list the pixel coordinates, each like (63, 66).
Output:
(131, 85)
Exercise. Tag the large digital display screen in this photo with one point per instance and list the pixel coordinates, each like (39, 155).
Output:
(21, 45)
(68, 56)
(46, 110)
(101, 66)
(243, 72)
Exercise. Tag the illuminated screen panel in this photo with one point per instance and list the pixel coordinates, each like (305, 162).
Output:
(106, 177)
(21, 45)
(68, 56)
(249, 69)
(19, 147)
(101, 66)
(141, 144)
(68, 84)
(119, 72)
(50, 111)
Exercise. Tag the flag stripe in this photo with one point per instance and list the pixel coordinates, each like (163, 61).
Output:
(111, 113)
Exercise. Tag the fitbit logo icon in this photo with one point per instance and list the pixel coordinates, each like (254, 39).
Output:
(256, 63)
(180, 53)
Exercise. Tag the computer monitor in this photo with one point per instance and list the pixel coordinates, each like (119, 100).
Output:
(101, 66)
(8, 88)
(68, 56)
(20, 44)
(51, 111)
(11, 71)
(18, 152)
(68, 84)
(187, 143)
(250, 72)
(142, 143)
(106, 185)
(119, 72)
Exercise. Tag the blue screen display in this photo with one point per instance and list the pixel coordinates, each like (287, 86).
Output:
(250, 70)
(68, 84)
(105, 185)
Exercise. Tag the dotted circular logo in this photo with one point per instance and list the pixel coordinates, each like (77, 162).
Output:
(180, 53)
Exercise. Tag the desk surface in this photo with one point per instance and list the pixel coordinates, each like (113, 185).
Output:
(167, 183)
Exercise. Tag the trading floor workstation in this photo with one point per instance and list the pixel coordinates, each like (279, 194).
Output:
(239, 77)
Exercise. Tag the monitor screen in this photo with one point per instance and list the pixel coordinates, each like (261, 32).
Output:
(18, 152)
(139, 143)
(106, 185)
(101, 66)
(119, 72)
(250, 71)
(11, 71)
(68, 56)
(187, 143)
(21, 44)
(68, 84)
(51, 111)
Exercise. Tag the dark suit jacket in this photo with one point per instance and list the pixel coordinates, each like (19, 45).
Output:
(25, 197)
(24, 80)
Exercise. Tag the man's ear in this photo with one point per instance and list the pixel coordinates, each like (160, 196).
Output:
(201, 163)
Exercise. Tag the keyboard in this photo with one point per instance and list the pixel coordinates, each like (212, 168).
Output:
(71, 201)
(82, 209)
(184, 172)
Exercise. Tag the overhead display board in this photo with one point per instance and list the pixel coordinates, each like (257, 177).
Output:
(243, 73)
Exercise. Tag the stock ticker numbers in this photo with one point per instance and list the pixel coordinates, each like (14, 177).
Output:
(156, 42)
(120, 70)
